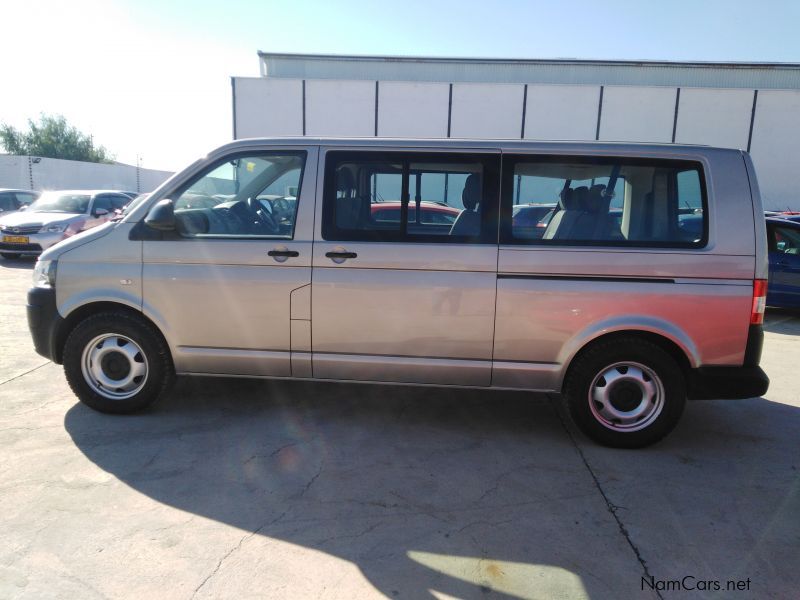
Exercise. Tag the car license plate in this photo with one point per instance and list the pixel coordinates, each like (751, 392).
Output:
(15, 239)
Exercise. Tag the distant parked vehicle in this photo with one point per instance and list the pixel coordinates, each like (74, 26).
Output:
(783, 239)
(530, 220)
(436, 217)
(13, 200)
(56, 216)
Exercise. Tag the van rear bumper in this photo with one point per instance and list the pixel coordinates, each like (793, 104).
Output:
(727, 383)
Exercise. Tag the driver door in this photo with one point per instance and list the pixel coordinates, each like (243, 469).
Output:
(225, 285)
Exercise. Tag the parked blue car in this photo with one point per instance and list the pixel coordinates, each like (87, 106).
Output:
(783, 237)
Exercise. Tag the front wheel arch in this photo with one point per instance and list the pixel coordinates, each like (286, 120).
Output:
(87, 310)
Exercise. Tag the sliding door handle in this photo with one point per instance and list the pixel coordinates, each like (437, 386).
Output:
(339, 256)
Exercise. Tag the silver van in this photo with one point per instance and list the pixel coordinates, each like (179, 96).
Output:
(399, 261)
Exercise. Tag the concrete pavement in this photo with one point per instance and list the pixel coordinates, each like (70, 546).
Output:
(247, 489)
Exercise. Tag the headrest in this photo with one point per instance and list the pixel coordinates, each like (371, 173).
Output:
(574, 198)
(471, 196)
(344, 181)
(595, 201)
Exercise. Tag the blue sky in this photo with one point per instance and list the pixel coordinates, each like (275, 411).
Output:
(151, 78)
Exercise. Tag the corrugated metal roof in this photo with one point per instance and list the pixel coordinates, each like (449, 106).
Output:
(551, 71)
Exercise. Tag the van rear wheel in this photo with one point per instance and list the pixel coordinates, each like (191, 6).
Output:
(116, 362)
(625, 393)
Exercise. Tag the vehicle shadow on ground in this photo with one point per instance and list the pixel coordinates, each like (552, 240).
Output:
(467, 493)
(17, 263)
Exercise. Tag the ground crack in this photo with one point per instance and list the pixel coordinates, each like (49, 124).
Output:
(234, 549)
(25, 373)
(612, 508)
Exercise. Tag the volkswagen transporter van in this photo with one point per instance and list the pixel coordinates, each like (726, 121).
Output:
(399, 261)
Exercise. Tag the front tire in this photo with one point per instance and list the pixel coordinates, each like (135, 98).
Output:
(116, 362)
(625, 393)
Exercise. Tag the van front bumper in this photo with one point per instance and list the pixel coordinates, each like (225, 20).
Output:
(727, 383)
(44, 321)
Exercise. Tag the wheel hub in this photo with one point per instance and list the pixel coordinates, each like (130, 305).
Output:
(115, 365)
(626, 396)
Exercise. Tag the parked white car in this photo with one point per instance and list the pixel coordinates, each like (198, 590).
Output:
(56, 216)
(13, 200)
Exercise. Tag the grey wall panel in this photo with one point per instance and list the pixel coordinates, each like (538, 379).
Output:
(637, 114)
(268, 107)
(776, 147)
(407, 109)
(340, 108)
(561, 112)
(485, 110)
(714, 117)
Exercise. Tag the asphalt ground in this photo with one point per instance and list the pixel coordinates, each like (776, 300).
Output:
(261, 489)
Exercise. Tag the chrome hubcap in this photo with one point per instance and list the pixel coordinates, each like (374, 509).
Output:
(114, 366)
(626, 396)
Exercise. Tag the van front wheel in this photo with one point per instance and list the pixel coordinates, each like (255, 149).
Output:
(115, 362)
(625, 393)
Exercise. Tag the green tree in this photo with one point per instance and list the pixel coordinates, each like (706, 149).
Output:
(52, 137)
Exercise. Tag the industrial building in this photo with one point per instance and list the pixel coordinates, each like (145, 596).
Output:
(752, 106)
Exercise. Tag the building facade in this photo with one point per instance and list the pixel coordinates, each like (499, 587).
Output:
(753, 106)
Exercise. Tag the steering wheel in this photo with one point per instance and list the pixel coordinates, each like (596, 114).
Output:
(262, 214)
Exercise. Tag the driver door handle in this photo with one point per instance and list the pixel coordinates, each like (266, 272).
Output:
(341, 254)
(284, 253)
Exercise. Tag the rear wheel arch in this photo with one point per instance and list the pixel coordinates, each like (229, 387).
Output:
(669, 346)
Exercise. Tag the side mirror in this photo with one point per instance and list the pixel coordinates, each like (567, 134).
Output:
(99, 212)
(161, 216)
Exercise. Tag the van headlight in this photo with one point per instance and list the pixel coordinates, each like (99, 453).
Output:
(44, 274)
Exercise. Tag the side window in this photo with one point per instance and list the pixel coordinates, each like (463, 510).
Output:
(787, 240)
(252, 196)
(119, 202)
(603, 202)
(24, 199)
(101, 202)
(415, 197)
(7, 202)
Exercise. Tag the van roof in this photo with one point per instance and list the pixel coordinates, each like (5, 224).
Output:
(511, 144)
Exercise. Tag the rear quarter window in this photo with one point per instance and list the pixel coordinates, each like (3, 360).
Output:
(604, 201)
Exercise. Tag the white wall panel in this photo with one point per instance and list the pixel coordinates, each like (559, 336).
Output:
(561, 112)
(54, 174)
(486, 110)
(268, 107)
(417, 110)
(776, 147)
(637, 114)
(340, 108)
(14, 172)
(714, 117)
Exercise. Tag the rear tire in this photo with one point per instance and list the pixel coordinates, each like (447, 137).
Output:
(116, 362)
(10, 255)
(625, 393)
